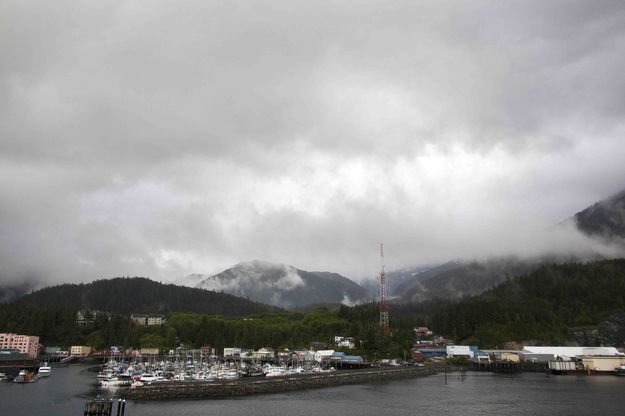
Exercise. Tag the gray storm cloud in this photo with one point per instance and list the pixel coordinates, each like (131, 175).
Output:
(161, 139)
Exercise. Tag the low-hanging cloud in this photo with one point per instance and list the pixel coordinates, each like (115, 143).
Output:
(160, 139)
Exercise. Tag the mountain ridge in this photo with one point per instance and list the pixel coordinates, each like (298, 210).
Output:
(285, 286)
(604, 219)
(140, 295)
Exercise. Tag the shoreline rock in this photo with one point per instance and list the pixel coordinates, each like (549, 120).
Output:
(249, 386)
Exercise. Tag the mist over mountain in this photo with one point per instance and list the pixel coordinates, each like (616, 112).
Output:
(604, 219)
(190, 280)
(461, 278)
(285, 286)
(16, 290)
(397, 281)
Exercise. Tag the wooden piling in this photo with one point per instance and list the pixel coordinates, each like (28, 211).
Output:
(98, 408)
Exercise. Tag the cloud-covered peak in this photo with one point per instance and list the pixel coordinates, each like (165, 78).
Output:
(149, 138)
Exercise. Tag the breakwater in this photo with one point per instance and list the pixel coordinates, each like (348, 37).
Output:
(249, 386)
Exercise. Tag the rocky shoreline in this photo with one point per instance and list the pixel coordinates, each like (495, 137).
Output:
(249, 386)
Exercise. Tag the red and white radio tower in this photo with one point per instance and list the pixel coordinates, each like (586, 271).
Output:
(383, 307)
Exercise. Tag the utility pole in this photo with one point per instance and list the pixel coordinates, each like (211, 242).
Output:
(383, 306)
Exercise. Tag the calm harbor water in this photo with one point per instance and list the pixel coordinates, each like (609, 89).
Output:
(478, 394)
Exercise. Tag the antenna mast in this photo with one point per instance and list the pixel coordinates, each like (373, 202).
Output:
(383, 306)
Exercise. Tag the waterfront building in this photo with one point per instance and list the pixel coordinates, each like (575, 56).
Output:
(149, 351)
(512, 357)
(26, 344)
(263, 354)
(532, 353)
(421, 354)
(602, 364)
(562, 366)
(467, 351)
(232, 353)
(504, 355)
(304, 355)
(323, 355)
(80, 350)
(10, 359)
(206, 351)
(53, 350)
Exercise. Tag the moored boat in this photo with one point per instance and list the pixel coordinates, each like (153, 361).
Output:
(25, 377)
(275, 372)
(45, 370)
(116, 381)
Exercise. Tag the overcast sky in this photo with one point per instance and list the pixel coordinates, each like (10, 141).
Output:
(161, 138)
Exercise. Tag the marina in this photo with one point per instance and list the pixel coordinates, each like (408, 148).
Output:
(70, 387)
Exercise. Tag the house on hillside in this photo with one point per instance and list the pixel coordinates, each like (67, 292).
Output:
(345, 342)
(422, 332)
(147, 319)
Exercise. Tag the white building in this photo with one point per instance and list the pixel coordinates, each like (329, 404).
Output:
(143, 319)
(323, 355)
(569, 353)
(460, 351)
(347, 342)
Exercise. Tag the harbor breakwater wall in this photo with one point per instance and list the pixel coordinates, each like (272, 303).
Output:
(248, 386)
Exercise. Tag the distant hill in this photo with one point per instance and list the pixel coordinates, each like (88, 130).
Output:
(461, 278)
(285, 286)
(605, 219)
(11, 292)
(141, 295)
(397, 281)
(400, 281)
(544, 305)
